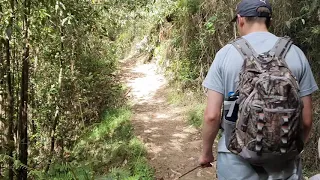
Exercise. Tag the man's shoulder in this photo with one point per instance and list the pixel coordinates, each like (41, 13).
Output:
(226, 50)
(295, 53)
(223, 52)
(296, 49)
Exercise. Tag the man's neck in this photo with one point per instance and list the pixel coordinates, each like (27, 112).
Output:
(256, 28)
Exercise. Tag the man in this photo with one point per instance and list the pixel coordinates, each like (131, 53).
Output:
(253, 20)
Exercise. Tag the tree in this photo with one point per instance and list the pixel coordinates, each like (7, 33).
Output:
(23, 112)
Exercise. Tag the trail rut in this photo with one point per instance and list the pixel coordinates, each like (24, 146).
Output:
(173, 146)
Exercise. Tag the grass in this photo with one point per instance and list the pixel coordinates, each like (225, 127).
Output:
(193, 102)
(195, 115)
(108, 150)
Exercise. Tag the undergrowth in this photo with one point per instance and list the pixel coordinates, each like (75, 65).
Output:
(108, 150)
(193, 102)
(196, 114)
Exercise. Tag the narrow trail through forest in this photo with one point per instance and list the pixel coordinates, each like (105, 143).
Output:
(173, 146)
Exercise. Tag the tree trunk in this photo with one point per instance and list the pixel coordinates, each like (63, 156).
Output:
(10, 99)
(23, 112)
(2, 119)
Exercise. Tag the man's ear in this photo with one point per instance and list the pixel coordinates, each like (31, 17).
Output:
(240, 20)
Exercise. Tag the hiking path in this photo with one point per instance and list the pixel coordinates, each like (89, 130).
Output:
(172, 144)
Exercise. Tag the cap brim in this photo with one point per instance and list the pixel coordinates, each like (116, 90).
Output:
(234, 19)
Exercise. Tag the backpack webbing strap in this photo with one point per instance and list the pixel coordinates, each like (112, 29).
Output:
(244, 48)
(282, 47)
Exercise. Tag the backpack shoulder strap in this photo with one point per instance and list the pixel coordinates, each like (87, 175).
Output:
(244, 48)
(281, 47)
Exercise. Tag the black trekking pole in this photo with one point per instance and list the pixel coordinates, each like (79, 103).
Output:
(203, 166)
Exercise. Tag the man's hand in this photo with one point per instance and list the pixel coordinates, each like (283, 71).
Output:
(206, 160)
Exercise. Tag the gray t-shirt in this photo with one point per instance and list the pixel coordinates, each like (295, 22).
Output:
(227, 64)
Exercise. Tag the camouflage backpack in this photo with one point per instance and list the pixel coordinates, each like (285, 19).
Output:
(269, 117)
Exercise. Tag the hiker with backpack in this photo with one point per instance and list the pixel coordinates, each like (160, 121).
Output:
(264, 84)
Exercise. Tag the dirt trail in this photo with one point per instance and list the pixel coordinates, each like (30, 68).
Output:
(173, 146)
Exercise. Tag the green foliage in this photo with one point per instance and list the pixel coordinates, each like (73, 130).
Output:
(191, 6)
(107, 151)
(175, 96)
(192, 101)
(196, 115)
(210, 24)
(73, 78)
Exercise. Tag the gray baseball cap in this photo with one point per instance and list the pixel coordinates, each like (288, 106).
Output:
(248, 8)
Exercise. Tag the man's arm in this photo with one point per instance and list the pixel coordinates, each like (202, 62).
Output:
(211, 125)
(307, 116)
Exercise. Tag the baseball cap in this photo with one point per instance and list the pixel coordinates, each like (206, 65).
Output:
(249, 8)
